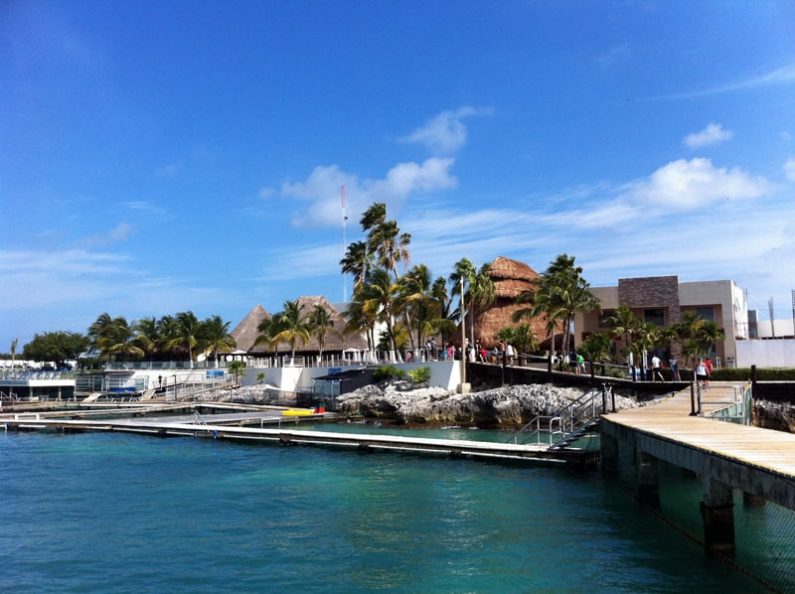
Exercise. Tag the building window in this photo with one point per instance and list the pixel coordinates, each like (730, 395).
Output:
(654, 316)
(706, 313)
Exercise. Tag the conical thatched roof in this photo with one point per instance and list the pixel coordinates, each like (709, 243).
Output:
(511, 278)
(335, 339)
(245, 333)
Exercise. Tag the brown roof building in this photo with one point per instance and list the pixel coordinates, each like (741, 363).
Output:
(245, 334)
(511, 278)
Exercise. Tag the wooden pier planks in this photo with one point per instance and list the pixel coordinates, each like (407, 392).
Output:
(773, 451)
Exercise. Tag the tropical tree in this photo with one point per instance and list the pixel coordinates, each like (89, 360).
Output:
(379, 298)
(444, 323)
(215, 336)
(521, 337)
(320, 322)
(478, 290)
(625, 325)
(290, 326)
(187, 333)
(147, 336)
(114, 337)
(58, 347)
(697, 335)
(596, 349)
(360, 320)
(417, 302)
(14, 343)
(237, 369)
(357, 261)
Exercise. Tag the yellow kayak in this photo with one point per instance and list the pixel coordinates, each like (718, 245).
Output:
(297, 412)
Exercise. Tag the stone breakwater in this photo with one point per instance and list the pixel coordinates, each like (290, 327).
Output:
(774, 415)
(508, 406)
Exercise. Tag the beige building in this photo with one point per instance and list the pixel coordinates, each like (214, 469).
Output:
(661, 300)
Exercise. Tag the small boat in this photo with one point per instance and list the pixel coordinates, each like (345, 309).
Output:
(297, 412)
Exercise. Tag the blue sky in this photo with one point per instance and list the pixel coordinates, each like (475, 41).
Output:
(165, 156)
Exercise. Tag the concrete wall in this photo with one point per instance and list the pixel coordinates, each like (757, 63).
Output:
(444, 374)
(766, 353)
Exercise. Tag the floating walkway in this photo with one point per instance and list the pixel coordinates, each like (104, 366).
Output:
(199, 427)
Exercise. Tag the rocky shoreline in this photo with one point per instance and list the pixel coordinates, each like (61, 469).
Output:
(509, 406)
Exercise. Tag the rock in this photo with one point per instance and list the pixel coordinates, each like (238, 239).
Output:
(509, 406)
(774, 415)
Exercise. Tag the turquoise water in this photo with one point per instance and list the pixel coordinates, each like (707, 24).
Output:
(103, 512)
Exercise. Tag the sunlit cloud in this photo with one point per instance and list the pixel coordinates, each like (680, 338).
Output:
(712, 134)
(322, 189)
(446, 132)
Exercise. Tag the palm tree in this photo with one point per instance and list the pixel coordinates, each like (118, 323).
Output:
(697, 335)
(478, 290)
(379, 297)
(237, 368)
(373, 216)
(542, 300)
(444, 321)
(188, 335)
(360, 319)
(290, 326)
(147, 335)
(416, 301)
(521, 337)
(571, 292)
(357, 262)
(215, 336)
(596, 349)
(624, 324)
(320, 321)
(113, 337)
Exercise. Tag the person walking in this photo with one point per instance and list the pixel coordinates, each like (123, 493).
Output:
(708, 365)
(701, 374)
(656, 372)
(672, 362)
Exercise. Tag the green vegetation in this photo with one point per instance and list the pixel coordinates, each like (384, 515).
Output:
(557, 295)
(521, 337)
(388, 372)
(420, 375)
(237, 369)
(55, 346)
(261, 377)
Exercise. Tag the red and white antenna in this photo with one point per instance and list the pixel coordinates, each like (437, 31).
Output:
(344, 241)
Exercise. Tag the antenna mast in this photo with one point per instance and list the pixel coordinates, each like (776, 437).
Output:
(344, 242)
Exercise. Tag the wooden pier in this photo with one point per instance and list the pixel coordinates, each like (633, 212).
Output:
(724, 455)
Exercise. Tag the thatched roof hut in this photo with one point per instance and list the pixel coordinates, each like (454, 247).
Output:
(336, 340)
(511, 278)
(245, 333)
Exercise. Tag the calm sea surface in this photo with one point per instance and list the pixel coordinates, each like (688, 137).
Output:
(117, 513)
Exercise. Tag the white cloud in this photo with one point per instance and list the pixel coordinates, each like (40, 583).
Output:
(789, 169)
(121, 232)
(712, 134)
(143, 206)
(322, 189)
(691, 184)
(777, 77)
(445, 133)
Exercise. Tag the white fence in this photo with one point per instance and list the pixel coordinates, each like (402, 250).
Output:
(778, 352)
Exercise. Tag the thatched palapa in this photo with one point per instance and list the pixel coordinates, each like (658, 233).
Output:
(335, 341)
(245, 333)
(511, 278)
